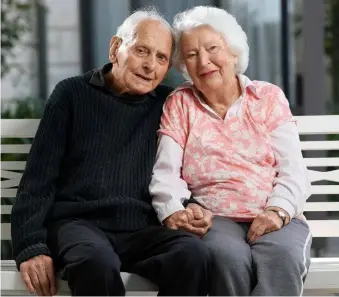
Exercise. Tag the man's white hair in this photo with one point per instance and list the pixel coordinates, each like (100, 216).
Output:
(127, 30)
(221, 21)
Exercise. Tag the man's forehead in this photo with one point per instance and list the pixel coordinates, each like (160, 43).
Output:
(152, 27)
(153, 34)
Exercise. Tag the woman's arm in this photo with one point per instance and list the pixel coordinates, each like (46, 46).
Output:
(291, 186)
(167, 187)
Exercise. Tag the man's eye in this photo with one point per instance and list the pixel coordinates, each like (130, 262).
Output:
(141, 51)
(162, 58)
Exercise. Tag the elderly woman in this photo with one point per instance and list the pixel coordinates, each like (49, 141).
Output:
(232, 144)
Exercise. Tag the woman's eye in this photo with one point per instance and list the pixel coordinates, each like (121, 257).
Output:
(213, 49)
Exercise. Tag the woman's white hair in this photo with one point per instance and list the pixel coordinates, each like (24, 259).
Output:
(221, 21)
(127, 30)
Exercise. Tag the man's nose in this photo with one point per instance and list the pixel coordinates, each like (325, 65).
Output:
(149, 63)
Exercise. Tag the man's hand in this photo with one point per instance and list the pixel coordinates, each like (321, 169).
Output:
(38, 275)
(202, 221)
(179, 219)
(265, 222)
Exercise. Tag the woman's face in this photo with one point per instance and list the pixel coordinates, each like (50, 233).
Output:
(208, 59)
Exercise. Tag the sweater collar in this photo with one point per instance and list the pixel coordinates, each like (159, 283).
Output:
(98, 79)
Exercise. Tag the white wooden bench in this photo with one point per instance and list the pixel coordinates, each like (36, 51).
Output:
(323, 277)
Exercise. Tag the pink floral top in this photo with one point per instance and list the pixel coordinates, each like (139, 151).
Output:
(228, 163)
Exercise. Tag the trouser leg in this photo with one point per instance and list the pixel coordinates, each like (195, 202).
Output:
(281, 260)
(86, 259)
(177, 261)
(231, 261)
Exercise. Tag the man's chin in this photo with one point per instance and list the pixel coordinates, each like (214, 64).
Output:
(142, 89)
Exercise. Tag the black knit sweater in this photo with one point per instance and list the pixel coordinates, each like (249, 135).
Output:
(92, 158)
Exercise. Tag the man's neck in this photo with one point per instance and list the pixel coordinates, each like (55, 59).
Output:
(112, 83)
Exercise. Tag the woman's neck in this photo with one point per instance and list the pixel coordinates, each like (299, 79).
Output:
(221, 100)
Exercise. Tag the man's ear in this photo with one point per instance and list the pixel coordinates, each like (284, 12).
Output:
(113, 48)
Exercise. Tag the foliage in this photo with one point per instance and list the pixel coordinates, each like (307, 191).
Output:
(16, 19)
(28, 108)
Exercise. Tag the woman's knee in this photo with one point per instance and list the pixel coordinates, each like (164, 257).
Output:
(231, 256)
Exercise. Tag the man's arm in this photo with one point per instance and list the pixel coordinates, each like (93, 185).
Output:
(36, 189)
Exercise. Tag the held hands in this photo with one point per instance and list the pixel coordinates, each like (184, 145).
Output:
(194, 219)
(264, 223)
(38, 275)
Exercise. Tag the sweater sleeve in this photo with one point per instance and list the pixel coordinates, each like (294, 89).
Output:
(37, 187)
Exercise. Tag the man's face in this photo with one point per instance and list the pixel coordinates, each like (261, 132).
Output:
(141, 66)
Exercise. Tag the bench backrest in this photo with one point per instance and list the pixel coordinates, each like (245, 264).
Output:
(11, 171)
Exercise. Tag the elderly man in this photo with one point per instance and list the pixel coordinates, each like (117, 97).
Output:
(83, 205)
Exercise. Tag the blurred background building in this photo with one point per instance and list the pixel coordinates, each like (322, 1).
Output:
(293, 43)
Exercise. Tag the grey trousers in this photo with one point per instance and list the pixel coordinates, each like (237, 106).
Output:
(276, 264)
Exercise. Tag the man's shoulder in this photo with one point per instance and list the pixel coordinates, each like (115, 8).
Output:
(69, 84)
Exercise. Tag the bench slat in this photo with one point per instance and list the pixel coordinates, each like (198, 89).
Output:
(324, 228)
(8, 193)
(19, 128)
(5, 231)
(325, 189)
(319, 228)
(323, 274)
(13, 165)
(322, 206)
(6, 209)
(317, 162)
(328, 124)
(310, 206)
(332, 175)
(320, 145)
(15, 148)
(11, 280)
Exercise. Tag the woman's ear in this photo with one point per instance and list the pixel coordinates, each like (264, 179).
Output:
(113, 48)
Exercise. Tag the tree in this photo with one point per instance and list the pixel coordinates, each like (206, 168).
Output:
(16, 19)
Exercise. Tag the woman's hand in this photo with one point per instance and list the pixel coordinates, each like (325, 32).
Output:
(194, 219)
(266, 222)
(201, 222)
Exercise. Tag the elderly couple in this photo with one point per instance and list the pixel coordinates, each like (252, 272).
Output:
(199, 189)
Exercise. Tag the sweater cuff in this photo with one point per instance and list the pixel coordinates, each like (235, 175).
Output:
(31, 252)
(192, 200)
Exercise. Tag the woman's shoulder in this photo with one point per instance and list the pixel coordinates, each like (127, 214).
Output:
(182, 95)
(270, 95)
(265, 89)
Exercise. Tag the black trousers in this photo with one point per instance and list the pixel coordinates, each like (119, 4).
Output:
(91, 259)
